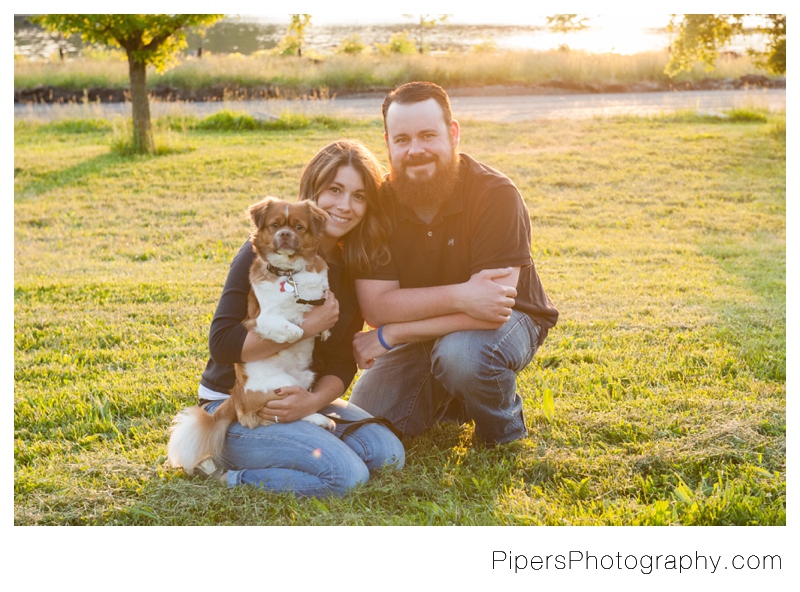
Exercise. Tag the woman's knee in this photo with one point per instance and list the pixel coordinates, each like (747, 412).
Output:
(339, 476)
(377, 447)
(348, 476)
(391, 452)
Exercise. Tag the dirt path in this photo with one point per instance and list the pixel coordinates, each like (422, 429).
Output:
(493, 108)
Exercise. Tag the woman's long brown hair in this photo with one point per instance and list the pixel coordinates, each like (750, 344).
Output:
(366, 246)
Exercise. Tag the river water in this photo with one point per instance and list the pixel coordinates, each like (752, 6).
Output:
(247, 34)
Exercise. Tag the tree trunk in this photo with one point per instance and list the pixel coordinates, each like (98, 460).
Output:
(142, 132)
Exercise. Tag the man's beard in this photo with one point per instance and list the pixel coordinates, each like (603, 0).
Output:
(428, 193)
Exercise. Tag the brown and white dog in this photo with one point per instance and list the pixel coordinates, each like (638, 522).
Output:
(287, 278)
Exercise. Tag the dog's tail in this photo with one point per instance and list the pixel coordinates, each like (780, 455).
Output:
(197, 434)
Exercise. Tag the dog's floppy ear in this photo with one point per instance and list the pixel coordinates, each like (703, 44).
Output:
(259, 211)
(318, 218)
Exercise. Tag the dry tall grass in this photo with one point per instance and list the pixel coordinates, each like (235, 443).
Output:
(346, 73)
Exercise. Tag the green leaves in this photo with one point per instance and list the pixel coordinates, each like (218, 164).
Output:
(699, 37)
(567, 23)
(153, 39)
(547, 405)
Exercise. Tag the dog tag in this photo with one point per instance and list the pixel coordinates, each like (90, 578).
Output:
(287, 286)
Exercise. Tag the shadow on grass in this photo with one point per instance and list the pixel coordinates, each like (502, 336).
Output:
(758, 329)
(73, 175)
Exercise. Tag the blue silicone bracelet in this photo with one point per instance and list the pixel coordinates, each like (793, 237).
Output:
(380, 338)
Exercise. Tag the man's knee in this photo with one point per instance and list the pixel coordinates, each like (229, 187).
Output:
(462, 357)
(486, 354)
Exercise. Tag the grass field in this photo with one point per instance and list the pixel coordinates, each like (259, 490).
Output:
(661, 240)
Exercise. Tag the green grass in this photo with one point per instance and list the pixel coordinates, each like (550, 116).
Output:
(289, 76)
(661, 240)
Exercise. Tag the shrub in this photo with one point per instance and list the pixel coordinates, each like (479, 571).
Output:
(754, 114)
(485, 46)
(399, 42)
(352, 45)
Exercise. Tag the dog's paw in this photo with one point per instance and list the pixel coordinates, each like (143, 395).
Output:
(250, 420)
(321, 421)
(285, 332)
(292, 333)
(324, 335)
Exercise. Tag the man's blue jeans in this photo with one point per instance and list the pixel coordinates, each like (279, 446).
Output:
(306, 459)
(413, 384)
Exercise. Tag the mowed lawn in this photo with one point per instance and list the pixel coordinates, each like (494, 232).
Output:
(661, 241)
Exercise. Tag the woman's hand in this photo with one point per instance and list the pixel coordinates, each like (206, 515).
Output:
(322, 317)
(294, 403)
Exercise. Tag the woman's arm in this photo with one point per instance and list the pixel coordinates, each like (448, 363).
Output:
(227, 334)
(296, 402)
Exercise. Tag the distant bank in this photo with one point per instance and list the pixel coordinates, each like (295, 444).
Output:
(163, 92)
(492, 104)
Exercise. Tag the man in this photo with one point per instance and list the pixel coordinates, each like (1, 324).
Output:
(460, 309)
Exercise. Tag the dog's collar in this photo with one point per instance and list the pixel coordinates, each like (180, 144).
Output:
(278, 271)
(289, 274)
(317, 302)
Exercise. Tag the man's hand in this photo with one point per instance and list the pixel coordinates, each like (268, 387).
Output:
(322, 317)
(366, 348)
(486, 298)
(295, 403)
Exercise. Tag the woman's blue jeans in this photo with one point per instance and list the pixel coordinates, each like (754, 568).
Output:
(463, 375)
(306, 459)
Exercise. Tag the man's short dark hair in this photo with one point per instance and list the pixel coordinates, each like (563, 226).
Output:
(416, 92)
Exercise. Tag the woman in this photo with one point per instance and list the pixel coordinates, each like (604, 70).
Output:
(343, 179)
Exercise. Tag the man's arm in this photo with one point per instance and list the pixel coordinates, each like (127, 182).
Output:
(367, 346)
(487, 296)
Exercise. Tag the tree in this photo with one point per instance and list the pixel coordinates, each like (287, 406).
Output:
(774, 58)
(425, 23)
(148, 39)
(699, 37)
(292, 42)
(567, 23)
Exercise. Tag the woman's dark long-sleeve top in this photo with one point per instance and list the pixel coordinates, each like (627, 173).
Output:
(226, 337)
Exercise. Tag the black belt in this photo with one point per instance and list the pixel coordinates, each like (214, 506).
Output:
(354, 424)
